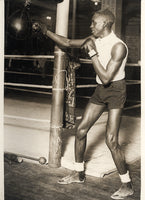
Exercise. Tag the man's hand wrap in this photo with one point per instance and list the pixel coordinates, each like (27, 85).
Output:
(89, 47)
(37, 28)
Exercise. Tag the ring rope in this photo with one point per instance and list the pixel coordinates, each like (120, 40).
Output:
(128, 82)
(28, 90)
(88, 61)
(82, 60)
(94, 85)
(50, 93)
(50, 87)
(40, 74)
(134, 106)
(28, 85)
(48, 121)
(29, 56)
(133, 82)
(26, 73)
(133, 101)
(26, 118)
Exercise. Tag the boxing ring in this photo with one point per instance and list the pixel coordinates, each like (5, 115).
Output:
(19, 86)
(27, 126)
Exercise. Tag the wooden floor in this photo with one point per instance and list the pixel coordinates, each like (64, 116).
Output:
(29, 181)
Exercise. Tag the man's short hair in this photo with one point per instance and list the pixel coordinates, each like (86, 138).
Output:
(107, 14)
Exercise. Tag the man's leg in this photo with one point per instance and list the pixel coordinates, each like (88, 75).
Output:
(91, 114)
(113, 125)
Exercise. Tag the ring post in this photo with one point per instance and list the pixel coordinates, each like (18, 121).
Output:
(57, 110)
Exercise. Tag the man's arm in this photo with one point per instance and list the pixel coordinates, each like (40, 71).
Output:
(117, 55)
(65, 42)
(58, 39)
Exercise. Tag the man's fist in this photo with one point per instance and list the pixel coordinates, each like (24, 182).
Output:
(37, 28)
(88, 45)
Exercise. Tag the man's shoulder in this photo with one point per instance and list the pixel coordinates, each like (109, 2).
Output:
(118, 39)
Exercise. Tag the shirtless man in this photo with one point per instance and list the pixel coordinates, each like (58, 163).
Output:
(108, 55)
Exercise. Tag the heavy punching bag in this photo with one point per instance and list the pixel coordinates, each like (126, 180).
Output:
(19, 24)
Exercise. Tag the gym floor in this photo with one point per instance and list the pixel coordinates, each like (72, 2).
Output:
(32, 181)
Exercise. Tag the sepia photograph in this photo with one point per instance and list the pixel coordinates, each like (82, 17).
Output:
(71, 100)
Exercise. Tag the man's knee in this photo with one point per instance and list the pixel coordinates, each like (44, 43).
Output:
(81, 133)
(111, 142)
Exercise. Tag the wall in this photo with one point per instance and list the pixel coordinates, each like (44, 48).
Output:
(131, 28)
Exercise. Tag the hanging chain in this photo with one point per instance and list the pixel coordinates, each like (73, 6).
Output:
(27, 3)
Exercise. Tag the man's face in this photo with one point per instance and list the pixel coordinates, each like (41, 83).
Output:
(97, 25)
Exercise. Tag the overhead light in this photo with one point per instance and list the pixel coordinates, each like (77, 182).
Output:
(48, 17)
(96, 2)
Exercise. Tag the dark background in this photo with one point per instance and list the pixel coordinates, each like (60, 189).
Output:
(40, 9)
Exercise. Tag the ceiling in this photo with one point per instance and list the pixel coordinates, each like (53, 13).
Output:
(43, 7)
